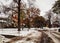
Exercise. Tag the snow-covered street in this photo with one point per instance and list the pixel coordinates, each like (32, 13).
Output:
(33, 35)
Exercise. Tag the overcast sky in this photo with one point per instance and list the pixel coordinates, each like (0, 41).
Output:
(43, 5)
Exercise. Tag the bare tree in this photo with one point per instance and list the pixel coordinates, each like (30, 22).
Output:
(49, 15)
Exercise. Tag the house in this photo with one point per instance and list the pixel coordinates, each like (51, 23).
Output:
(3, 19)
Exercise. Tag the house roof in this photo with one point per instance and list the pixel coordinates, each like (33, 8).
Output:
(2, 15)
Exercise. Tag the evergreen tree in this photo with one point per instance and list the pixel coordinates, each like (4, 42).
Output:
(56, 7)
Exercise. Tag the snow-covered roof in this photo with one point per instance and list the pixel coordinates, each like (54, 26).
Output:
(2, 15)
(1, 21)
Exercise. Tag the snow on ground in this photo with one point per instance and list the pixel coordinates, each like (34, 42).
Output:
(31, 36)
(13, 31)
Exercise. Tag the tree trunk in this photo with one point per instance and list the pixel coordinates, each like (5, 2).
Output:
(49, 22)
(19, 15)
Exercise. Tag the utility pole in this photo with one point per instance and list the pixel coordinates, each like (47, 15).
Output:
(19, 15)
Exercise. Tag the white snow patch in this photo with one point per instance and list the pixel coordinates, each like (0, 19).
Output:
(34, 35)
